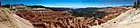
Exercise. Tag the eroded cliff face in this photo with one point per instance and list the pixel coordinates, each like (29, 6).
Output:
(48, 18)
(54, 19)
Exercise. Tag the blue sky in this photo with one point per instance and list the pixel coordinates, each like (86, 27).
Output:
(71, 3)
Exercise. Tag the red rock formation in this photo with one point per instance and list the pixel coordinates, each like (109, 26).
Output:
(54, 19)
(63, 19)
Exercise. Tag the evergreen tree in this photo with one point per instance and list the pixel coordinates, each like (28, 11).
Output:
(136, 4)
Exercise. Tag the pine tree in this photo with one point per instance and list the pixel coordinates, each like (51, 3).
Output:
(137, 4)
(134, 6)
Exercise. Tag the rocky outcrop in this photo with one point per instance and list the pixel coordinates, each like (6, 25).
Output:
(10, 20)
(125, 20)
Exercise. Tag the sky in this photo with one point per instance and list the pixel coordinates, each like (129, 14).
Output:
(71, 3)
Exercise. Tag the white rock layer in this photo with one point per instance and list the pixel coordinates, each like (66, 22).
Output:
(129, 19)
(11, 20)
